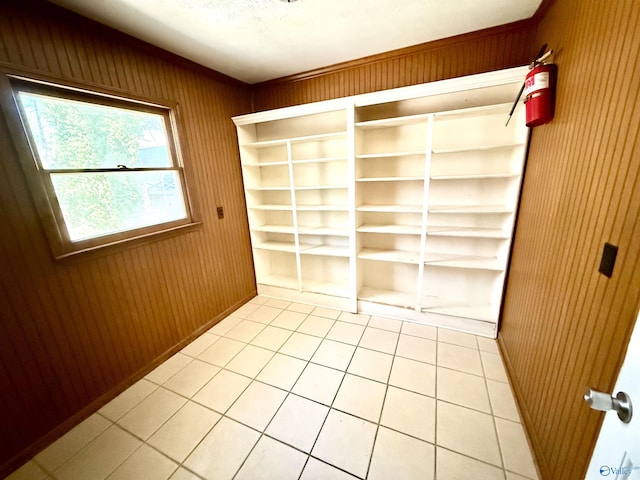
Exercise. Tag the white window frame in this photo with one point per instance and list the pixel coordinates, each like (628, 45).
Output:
(39, 178)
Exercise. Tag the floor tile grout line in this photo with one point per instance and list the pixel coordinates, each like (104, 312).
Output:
(228, 408)
(384, 400)
(262, 433)
(334, 397)
(146, 442)
(493, 418)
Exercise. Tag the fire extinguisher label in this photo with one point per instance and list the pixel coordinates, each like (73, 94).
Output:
(536, 82)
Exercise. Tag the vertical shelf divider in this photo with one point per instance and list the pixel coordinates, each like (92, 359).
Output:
(425, 211)
(296, 232)
(351, 193)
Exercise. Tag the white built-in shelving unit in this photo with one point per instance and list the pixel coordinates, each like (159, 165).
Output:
(399, 203)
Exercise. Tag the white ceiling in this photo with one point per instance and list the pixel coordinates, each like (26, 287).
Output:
(258, 40)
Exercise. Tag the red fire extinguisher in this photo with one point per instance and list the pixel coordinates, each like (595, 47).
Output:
(540, 87)
(540, 93)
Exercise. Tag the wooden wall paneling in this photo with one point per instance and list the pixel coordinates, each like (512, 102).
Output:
(75, 333)
(565, 326)
(476, 52)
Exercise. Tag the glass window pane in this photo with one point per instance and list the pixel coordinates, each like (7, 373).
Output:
(97, 204)
(78, 135)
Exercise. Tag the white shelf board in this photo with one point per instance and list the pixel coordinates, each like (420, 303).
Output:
(390, 208)
(326, 250)
(274, 228)
(476, 148)
(391, 154)
(393, 122)
(319, 137)
(271, 206)
(269, 189)
(322, 208)
(487, 209)
(323, 187)
(464, 261)
(276, 246)
(279, 281)
(329, 231)
(396, 229)
(265, 143)
(471, 112)
(472, 232)
(319, 160)
(455, 308)
(390, 179)
(399, 256)
(265, 164)
(476, 176)
(388, 297)
(283, 141)
(335, 289)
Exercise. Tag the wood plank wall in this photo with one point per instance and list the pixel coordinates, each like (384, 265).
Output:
(483, 51)
(73, 334)
(565, 326)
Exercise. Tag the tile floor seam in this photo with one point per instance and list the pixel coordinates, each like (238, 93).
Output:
(493, 417)
(45, 470)
(54, 475)
(384, 399)
(466, 455)
(145, 442)
(435, 429)
(334, 397)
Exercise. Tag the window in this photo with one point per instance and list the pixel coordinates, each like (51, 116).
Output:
(107, 168)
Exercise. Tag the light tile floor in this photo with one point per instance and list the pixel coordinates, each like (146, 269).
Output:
(281, 390)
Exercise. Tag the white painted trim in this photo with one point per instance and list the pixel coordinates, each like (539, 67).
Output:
(488, 79)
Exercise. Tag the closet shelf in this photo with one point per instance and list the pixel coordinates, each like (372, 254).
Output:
(265, 164)
(400, 256)
(282, 281)
(269, 189)
(322, 208)
(470, 232)
(325, 250)
(388, 297)
(322, 187)
(274, 228)
(319, 137)
(486, 209)
(455, 308)
(324, 231)
(394, 229)
(271, 206)
(334, 289)
(477, 148)
(276, 246)
(391, 154)
(390, 179)
(471, 262)
(474, 176)
(390, 208)
(307, 138)
(318, 160)
(393, 122)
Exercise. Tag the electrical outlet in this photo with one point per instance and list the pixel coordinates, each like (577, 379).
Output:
(220, 212)
(608, 259)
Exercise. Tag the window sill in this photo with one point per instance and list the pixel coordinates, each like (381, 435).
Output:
(125, 244)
